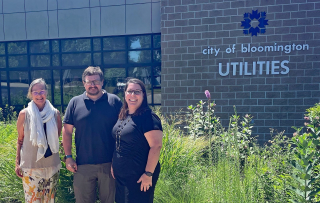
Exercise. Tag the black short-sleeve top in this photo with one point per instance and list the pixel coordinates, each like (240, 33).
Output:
(93, 121)
(132, 149)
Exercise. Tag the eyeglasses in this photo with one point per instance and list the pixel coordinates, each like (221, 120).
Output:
(135, 92)
(94, 82)
(42, 92)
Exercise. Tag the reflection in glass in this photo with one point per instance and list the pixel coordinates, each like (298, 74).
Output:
(115, 81)
(157, 56)
(2, 49)
(18, 61)
(114, 43)
(96, 44)
(143, 74)
(46, 75)
(140, 42)
(140, 56)
(76, 59)
(59, 108)
(157, 76)
(114, 57)
(2, 62)
(55, 45)
(55, 60)
(156, 41)
(57, 88)
(40, 60)
(157, 96)
(74, 45)
(97, 59)
(4, 88)
(39, 46)
(19, 85)
(17, 47)
(72, 84)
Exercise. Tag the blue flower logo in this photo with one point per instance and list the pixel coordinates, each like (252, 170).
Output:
(260, 17)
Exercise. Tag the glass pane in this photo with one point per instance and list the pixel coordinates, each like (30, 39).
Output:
(57, 87)
(140, 56)
(157, 76)
(157, 96)
(4, 88)
(72, 84)
(114, 43)
(18, 61)
(40, 60)
(55, 45)
(97, 59)
(2, 62)
(19, 85)
(140, 42)
(59, 108)
(76, 59)
(115, 81)
(17, 48)
(74, 45)
(39, 47)
(96, 44)
(55, 60)
(143, 74)
(2, 49)
(114, 57)
(46, 75)
(156, 41)
(157, 56)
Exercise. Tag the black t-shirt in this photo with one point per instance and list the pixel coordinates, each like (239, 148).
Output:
(93, 121)
(132, 149)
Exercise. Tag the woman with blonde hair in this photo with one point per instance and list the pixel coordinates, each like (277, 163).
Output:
(37, 161)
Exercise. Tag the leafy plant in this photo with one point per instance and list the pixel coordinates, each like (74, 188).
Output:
(304, 164)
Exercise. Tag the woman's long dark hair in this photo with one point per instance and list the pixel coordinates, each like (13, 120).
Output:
(144, 105)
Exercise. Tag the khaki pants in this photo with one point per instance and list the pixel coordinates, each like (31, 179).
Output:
(85, 181)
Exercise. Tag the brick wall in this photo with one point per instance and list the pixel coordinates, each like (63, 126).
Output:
(275, 100)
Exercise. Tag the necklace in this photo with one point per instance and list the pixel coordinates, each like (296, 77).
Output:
(118, 133)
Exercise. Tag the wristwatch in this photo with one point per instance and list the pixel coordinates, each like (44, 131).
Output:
(148, 173)
(67, 156)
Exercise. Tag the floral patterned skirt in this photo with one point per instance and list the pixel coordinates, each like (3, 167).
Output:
(38, 189)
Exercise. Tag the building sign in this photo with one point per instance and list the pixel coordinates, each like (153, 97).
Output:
(257, 67)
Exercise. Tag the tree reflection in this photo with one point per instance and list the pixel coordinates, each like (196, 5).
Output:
(114, 80)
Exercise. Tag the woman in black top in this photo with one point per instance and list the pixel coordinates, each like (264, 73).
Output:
(138, 136)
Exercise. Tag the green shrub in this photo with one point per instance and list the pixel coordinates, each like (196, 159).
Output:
(209, 163)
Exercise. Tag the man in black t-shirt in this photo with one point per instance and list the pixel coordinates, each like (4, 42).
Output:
(93, 114)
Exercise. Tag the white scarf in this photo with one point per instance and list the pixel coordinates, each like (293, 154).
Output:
(37, 134)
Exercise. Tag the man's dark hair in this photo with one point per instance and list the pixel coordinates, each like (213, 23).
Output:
(91, 70)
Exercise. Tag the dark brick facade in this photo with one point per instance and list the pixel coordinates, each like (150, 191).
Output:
(276, 101)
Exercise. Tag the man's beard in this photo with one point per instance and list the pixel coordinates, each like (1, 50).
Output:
(93, 94)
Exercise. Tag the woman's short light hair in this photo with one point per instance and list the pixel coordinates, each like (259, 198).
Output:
(36, 81)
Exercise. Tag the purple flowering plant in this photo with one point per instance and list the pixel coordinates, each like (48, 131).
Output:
(202, 118)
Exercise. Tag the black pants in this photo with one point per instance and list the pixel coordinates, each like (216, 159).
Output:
(128, 190)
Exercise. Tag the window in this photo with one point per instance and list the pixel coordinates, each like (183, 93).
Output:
(60, 62)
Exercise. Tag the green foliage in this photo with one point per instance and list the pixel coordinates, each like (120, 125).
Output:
(304, 163)
(201, 122)
(10, 184)
(214, 165)
(306, 159)
(8, 114)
